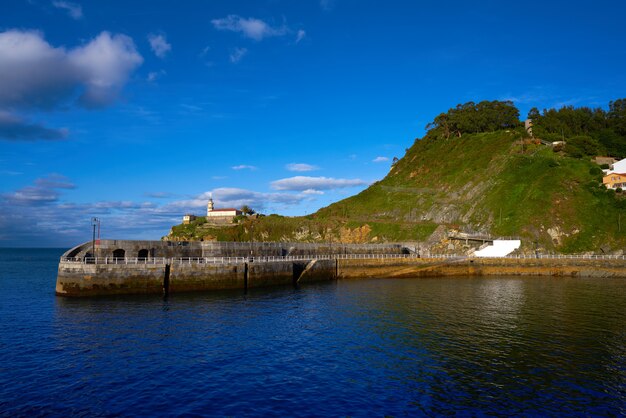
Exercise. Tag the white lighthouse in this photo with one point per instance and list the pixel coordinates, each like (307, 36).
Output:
(209, 207)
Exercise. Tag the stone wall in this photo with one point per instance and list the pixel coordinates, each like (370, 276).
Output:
(425, 267)
(75, 279)
(78, 279)
(199, 277)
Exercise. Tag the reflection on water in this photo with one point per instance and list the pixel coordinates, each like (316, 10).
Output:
(474, 346)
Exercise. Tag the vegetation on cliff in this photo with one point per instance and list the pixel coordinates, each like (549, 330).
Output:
(587, 131)
(467, 175)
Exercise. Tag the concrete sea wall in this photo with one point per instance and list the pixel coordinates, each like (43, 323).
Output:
(433, 267)
(77, 279)
(83, 279)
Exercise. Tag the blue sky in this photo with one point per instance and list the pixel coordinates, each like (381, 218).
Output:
(137, 111)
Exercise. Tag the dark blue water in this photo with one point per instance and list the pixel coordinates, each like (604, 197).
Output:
(482, 346)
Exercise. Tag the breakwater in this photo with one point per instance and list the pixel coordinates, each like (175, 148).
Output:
(133, 276)
(92, 276)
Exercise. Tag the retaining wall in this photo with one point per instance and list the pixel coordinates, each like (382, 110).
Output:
(79, 279)
(425, 267)
(199, 277)
(76, 279)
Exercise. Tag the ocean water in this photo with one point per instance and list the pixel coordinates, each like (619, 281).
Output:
(444, 346)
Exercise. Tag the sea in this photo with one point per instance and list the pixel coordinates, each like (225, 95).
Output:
(481, 346)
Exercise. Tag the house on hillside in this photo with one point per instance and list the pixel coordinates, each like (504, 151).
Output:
(615, 180)
(604, 160)
(618, 167)
(188, 218)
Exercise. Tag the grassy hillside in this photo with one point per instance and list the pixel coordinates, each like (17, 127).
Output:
(496, 183)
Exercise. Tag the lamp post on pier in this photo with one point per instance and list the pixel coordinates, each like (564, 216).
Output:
(94, 222)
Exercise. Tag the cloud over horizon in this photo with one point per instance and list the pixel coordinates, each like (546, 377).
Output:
(301, 167)
(302, 183)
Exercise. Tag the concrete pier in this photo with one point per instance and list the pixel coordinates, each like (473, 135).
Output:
(77, 278)
(172, 273)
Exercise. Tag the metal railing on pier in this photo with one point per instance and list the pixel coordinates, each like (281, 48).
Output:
(269, 259)
(115, 260)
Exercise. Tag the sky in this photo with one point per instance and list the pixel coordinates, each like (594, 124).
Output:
(136, 112)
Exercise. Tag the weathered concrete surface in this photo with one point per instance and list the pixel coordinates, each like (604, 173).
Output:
(270, 274)
(75, 279)
(318, 271)
(198, 277)
(78, 279)
(424, 267)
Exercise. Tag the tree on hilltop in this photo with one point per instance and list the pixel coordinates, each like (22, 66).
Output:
(470, 117)
(247, 210)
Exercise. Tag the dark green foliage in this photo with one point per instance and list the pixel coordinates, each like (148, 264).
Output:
(595, 171)
(582, 145)
(247, 210)
(474, 118)
(617, 116)
(606, 129)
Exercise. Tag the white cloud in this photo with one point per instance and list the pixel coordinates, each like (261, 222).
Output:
(301, 167)
(380, 159)
(244, 167)
(300, 35)
(106, 63)
(249, 27)
(74, 10)
(44, 191)
(36, 75)
(312, 192)
(301, 183)
(33, 74)
(234, 197)
(155, 75)
(237, 54)
(159, 45)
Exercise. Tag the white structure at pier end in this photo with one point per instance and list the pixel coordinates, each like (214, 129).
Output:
(500, 248)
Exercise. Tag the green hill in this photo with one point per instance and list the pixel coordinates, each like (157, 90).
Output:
(500, 183)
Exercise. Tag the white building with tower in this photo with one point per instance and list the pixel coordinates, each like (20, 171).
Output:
(213, 214)
(218, 216)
